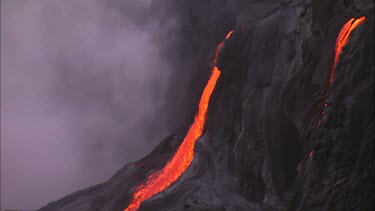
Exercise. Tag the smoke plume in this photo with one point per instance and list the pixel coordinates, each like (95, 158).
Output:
(82, 93)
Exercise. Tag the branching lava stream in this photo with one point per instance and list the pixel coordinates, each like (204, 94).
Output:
(163, 178)
(341, 41)
(343, 38)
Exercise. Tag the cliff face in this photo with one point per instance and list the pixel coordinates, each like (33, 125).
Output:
(254, 154)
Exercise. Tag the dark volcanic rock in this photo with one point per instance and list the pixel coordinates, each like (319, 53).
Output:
(340, 175)
(254, 154)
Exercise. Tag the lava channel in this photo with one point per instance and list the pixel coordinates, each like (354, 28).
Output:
(181, 160)
(341, 41)
(343, 38)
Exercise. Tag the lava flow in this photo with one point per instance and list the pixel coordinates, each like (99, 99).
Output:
(341, 41)
(343, 38)
(181, 160)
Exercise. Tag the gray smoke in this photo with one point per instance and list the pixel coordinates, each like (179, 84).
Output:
(82, 93)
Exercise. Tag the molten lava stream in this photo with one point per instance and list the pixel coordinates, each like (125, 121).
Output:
(341, 41)
(162, 179)
(343, 38)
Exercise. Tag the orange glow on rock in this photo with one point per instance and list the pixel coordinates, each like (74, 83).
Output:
(229, 34)
(181, 160)
(341, 41)
(343, 38)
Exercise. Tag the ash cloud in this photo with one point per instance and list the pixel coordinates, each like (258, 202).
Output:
(82, 92)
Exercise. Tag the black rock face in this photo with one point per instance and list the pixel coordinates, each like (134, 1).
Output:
(340, 174)
(260, 130)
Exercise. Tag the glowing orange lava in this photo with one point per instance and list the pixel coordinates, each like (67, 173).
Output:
(343, 38)
(341, 41)
(162, 179)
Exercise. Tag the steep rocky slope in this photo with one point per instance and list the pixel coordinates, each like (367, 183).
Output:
(254, 154)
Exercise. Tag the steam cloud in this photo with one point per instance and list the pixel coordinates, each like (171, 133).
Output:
(82, 91)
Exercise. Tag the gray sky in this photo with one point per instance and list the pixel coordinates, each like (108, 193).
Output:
(82, 92)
